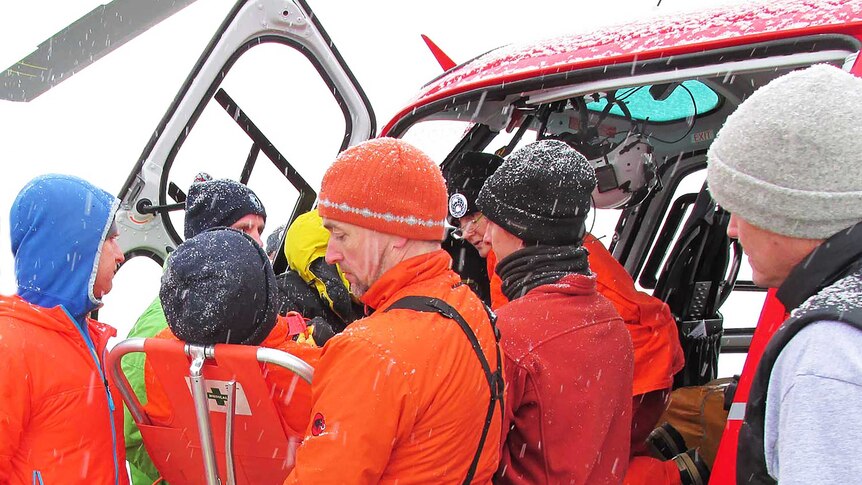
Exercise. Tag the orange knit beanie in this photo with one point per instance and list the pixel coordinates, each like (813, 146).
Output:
(386, 185)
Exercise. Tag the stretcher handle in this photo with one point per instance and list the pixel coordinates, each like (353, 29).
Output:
(115, 356)
(202, 412)
(285, 360)
(228, 432)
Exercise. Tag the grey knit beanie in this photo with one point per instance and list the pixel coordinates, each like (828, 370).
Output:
(787, 160)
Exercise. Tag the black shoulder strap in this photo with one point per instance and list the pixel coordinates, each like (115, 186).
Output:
(495, 379)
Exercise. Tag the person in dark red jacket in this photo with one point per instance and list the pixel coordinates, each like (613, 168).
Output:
(569, 358)
(657, 351)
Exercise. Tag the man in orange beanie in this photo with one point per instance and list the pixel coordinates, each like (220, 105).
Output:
(400, 395)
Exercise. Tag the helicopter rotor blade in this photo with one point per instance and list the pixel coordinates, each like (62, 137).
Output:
(82, 43)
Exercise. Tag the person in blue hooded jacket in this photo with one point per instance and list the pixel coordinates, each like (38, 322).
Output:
(60, 421)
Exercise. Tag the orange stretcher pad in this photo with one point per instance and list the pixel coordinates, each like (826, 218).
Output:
(232, 429)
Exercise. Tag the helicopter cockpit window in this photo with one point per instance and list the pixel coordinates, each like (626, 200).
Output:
(253, 130)
(661, 103)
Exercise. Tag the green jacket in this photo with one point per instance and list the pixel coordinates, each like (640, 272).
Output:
(151, 322)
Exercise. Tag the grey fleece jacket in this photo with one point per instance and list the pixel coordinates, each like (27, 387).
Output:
(813, 427)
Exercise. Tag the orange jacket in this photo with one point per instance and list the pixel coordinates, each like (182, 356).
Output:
(58, 423)
(400, 396)
(498, 299)
(293, 405)
(658, 354)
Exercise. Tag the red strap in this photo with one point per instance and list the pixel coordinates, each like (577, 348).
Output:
(856, 70)
(295, 323)
(771, 317)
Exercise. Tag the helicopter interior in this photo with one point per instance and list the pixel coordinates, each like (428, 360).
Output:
(647, 135)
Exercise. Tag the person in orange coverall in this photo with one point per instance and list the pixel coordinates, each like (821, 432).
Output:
(60, 421)
(400, 396)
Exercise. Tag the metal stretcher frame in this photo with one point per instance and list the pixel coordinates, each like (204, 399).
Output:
(199, 354)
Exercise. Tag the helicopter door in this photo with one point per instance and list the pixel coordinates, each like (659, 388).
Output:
(242, 114)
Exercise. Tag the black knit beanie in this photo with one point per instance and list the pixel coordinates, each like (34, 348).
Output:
(274, 239)
(541, 194)
(219, 287)
(464, 179)
(214, 203)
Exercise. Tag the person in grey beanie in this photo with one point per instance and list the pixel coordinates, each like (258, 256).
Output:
(789, 170)
(558, 333)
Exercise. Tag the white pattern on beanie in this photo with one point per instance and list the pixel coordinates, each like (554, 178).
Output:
(788, 159)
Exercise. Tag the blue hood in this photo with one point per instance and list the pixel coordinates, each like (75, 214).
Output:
(58, 224)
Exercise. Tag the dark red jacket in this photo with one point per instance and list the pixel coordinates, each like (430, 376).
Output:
(569, 366)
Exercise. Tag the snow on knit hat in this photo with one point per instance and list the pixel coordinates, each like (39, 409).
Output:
(222, 202)
(386, 185)
(464, 178)
(541, 193)
(219, 287)
(788, 162)
(274, 239)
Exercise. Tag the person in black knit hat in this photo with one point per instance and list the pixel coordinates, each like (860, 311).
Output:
(559, 335)
(210, 203)
(219, 288)
(464, 179)
(542, 196)
(223, 202)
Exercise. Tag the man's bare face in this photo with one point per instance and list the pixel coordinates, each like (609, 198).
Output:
(251, 224)
(473, 228)
(359, 252)
(771, 256)
(110, 258)
(501, 241)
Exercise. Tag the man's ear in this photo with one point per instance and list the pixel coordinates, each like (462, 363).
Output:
(398, 242)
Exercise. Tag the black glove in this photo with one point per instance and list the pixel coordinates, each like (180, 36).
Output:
(296, 295)
(342, 303)
(322, 331)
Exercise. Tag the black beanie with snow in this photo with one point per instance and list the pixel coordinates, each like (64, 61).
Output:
(464, 179)
(541, 194)
(219, 287)
(222, 202)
